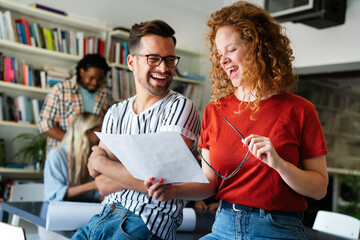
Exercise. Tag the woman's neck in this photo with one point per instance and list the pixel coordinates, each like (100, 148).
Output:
(246, 95)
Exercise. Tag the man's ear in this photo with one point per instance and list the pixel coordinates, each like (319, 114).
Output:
(130, 62)
(81, 72)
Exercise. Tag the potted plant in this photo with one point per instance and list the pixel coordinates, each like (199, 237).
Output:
(350, 188)
(32, 147)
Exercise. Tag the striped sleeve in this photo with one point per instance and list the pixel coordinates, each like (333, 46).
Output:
(108, 122)
(182, 116)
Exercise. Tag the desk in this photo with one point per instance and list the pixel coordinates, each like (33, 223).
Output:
(35, 212)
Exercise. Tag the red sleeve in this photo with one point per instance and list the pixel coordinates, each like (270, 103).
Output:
(312, 137)
(205, 132)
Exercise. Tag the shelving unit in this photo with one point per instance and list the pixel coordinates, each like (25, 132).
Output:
(337, 105)
(37, 57)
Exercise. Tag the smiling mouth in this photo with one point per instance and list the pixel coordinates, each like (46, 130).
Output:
(232, 72)
(158, 77)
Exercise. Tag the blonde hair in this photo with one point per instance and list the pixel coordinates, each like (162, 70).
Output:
(78, 146)
(268, 59)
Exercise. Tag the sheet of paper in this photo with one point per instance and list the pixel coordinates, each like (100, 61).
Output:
(159, 155)
(68, 216)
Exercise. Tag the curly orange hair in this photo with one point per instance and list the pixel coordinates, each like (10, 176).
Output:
(268, 60)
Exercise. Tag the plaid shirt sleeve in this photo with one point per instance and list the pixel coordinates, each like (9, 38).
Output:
(103, 101)
(50, 112)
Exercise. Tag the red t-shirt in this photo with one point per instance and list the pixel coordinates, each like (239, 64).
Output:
(292, 125)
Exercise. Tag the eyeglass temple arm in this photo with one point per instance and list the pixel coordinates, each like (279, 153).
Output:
(234, 128)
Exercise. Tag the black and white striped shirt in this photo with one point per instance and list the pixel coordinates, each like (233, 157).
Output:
(173, 113)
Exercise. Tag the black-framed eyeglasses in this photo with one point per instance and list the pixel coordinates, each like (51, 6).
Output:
(242, 162)
(154, 60)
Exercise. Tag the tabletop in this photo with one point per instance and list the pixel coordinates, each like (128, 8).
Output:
(35, 212)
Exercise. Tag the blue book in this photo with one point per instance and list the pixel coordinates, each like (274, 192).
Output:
(18, 32)
(30, 74)
(125, 49)
(15, 69)
(23, 34)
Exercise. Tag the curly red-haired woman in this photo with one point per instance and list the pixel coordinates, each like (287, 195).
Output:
(263, 148)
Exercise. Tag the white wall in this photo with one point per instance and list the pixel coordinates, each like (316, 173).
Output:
(316, 50)
(330, 49)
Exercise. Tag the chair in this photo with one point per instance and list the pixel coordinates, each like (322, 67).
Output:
(337, 224)
(25, 192)
(8, 231)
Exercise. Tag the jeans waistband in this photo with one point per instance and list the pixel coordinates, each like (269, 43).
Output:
(238, 208)
(114, 207)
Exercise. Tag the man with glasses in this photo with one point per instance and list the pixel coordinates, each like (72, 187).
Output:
(129, 212)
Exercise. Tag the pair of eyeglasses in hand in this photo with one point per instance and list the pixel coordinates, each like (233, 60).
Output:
(242, 162)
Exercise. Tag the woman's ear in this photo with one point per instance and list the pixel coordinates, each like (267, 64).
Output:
(87, 132)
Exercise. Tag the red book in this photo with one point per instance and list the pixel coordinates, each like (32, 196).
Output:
(101, 47)
(27, 29)
(112, 51)
(26, 74)
(8, 71)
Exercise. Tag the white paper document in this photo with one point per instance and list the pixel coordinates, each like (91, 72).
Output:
(68, 216)
(159, 155)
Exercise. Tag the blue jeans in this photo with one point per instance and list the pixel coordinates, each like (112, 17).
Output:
(252, 225)
(115, 222)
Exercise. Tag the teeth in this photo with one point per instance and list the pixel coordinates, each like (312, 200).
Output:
(158, 77)
(231, 69)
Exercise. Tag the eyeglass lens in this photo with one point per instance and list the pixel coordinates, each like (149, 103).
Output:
(170, 61)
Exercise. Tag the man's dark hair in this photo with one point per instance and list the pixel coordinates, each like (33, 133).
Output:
(156, 27)
(89, 61)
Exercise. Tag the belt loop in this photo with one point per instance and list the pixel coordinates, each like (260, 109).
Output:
(220, 205)
(261, 212)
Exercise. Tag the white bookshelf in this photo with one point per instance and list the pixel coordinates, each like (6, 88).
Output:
(38, 57)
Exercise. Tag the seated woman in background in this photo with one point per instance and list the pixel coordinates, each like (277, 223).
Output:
(66, 176)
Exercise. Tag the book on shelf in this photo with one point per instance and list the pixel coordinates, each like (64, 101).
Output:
(8, 71)
(20, 109)
(17, 71)
(24, 30)
(20, 33)
(118, 52)
(123, 85)
(2, 30)
(1, 67)
(101, 47)
(80, 44)
(53, 39)
(193, 76)
(49, 9)
(8, 26)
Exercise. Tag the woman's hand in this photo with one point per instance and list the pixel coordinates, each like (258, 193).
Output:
(262, 148)
(158, 190)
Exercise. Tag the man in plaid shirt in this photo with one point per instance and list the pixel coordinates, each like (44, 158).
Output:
(84, 93)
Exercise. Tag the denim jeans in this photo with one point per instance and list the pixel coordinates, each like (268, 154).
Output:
(246, 225)
(115, 222)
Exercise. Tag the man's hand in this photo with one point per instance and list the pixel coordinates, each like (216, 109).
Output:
(94, 159)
